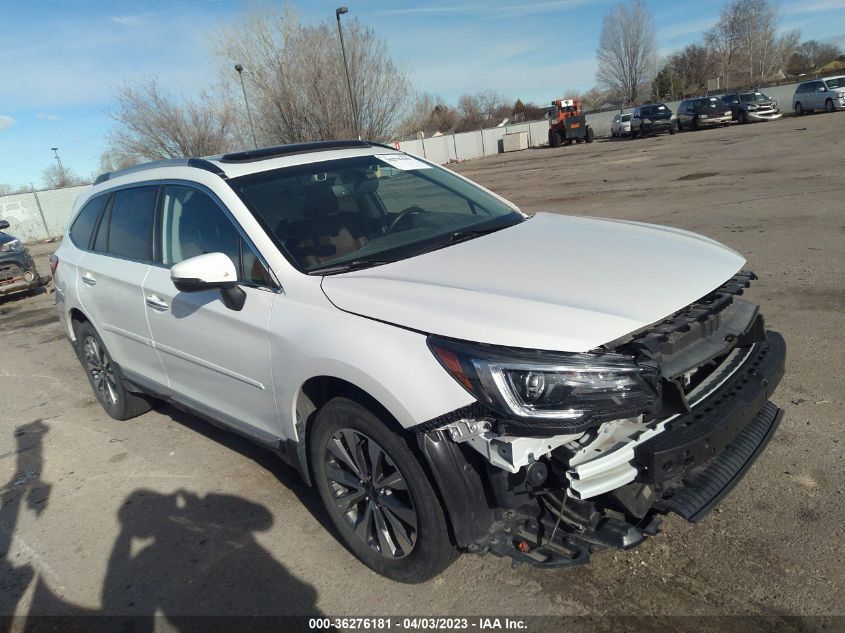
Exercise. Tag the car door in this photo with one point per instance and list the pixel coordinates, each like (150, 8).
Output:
(815, 97)
(217, 359)
(110, 283)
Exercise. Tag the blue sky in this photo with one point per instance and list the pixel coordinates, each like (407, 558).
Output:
(62, 60)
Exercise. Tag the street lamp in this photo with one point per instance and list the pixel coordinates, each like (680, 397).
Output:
(240, 70)
(339, 12)
(59, 161)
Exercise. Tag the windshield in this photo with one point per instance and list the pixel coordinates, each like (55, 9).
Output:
(748, 97)
(838, 82)
(711, 101)
(368, 209)
(626, 117)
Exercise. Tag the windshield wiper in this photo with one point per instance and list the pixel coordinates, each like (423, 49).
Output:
(355, 264)
(459, 236)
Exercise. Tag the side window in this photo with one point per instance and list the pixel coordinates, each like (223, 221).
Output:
(193, 224)
(131, 223)
(83, 225)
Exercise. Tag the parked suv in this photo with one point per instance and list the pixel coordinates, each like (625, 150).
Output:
(450, 373)
(703, 112)
(17, 270)
(750, 107)
(621, 125)
(827, 94)
(652, 119)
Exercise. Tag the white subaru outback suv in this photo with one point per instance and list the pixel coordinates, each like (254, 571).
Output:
(449, 373)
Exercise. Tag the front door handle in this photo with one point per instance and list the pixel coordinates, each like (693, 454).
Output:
(88, 279)
(156, 303)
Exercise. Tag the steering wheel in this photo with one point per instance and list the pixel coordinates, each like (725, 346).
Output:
(414, 210)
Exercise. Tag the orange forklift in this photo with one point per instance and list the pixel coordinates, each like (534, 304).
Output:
(567, 124)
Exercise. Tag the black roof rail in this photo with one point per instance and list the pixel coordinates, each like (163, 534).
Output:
(199, 163)
(263, 153)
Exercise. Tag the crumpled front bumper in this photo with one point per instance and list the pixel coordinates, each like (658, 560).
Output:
(773, 115)
(18, 273)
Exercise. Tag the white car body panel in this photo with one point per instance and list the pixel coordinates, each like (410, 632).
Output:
(529, 285)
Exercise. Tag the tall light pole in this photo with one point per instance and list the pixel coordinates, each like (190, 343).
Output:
(61, 167)
(240, 70)
(339, 12)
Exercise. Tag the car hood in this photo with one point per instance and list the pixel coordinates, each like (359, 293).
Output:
(5, 237)
(552, 282)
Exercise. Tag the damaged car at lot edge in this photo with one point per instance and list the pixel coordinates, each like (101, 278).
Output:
(17, 269)
(450, 373)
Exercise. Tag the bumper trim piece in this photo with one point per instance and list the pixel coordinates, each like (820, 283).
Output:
(703, 490)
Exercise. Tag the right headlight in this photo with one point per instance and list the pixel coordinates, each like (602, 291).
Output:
(551, 390)
(13, 246)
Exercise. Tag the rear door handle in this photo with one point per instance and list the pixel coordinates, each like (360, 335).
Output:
(89, 279)
(156, 303)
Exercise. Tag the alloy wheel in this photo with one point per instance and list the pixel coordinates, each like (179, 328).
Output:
(100, 367)
(371, 494)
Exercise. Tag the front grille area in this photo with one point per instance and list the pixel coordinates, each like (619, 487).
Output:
(693, 345)
(10, 273)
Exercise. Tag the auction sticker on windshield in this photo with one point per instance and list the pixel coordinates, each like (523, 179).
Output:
(402, 161)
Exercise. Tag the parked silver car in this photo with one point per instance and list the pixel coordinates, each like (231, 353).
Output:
(827, 93)
(621, 125)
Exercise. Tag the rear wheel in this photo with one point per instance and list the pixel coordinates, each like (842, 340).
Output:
(799, 109)
(828, 106)
(554, 139)
(377, 494)
(111, 393)
(589, 136)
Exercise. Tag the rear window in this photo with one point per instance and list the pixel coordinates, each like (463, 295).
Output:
(83, 226)
(131, 225)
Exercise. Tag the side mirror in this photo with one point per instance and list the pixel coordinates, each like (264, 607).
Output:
(3, 225)
(822, 89)
(208, 272)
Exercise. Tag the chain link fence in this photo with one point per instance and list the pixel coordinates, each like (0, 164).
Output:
(38, 215)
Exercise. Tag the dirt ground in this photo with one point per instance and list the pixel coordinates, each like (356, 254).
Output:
(167, 514)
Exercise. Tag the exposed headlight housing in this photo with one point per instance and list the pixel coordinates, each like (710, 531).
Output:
(551, 392)
(751, 107)
(13, 246)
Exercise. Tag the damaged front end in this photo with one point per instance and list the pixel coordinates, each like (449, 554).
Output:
(567, 454)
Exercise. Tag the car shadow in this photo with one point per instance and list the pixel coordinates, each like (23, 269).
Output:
(182, 561)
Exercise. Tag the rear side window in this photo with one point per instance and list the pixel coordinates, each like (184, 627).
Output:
(131, 224)
(83, 226)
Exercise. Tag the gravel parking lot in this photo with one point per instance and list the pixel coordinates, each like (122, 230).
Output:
(167, 514)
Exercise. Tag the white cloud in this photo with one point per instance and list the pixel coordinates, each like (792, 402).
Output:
(814, 7)
(6, 122)
(48, 117)
(135, 19)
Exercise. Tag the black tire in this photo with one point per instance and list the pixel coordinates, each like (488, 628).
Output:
(680, 126)
(799, 109)
(104, 376)
(428, 550)
(828, 106)
(554, 139)
(671, 131)
(589, 136)
(633, 135)
(742, 118)
(695, 123)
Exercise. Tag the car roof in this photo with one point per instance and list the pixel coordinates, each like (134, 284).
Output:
(252, 161)
(833, 77)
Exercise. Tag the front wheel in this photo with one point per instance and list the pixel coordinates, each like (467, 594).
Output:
(112, 394)
(742, 118)
(828, 106)
(377, 494)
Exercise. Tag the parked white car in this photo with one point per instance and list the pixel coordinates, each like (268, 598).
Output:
(450, 373)
(821, 94)
(621, 125)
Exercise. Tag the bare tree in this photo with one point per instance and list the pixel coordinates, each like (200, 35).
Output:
(483, 109)
(723, 38)
(814, 54)
(55, 177)
(627, 50)
(295, 78)
(428, 114)
(150, 124)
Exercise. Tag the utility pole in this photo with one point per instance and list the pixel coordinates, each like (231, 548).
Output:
(339, 12)
(240, 71)
(62, 175)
